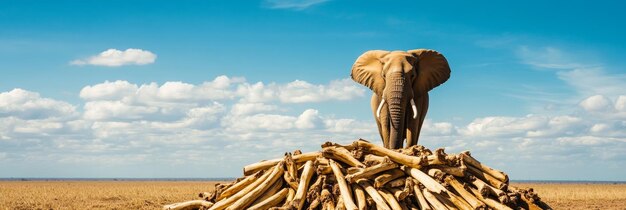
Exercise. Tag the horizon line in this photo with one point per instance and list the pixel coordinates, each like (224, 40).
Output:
(234, 178)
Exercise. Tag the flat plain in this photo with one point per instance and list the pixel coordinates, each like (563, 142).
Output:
(98, 194)
(580, 195)
(155, 194)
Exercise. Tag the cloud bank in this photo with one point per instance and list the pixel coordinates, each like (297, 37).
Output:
(120, 123)
(229, 122)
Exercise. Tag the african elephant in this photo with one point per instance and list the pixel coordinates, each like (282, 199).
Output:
(400, 81)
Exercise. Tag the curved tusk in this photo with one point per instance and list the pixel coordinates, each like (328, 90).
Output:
(380, 106)
(414, 109)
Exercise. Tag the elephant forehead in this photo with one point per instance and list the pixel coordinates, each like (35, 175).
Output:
(404, 61)
(398, 54)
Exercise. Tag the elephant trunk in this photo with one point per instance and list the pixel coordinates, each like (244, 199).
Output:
(397, 102)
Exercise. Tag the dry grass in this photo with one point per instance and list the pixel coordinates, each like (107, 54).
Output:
(580, 196)
(154, 194)
(97, 194)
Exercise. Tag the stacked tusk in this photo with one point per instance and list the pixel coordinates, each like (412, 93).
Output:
(363, 175)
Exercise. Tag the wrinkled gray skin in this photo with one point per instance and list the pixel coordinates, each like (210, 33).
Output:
(399, 75)
(396, 78)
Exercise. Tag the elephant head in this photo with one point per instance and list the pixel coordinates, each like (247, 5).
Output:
(398, 79)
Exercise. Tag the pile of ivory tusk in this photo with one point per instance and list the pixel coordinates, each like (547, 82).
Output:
(363, 175)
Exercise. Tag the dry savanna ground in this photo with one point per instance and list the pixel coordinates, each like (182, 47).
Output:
(97, 194)
(580, 195)
(154, 194)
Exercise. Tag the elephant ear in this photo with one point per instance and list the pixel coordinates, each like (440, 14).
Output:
(367, 70)
(433, 70)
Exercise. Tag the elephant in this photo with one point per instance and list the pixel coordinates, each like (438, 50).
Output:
(400, 81)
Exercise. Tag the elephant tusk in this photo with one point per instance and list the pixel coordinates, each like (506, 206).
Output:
(414, 109)
(380, 106)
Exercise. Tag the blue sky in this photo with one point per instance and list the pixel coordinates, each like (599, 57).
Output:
(201, 88)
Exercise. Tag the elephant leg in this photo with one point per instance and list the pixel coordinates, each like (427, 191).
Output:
(382, 122)
(415, 125)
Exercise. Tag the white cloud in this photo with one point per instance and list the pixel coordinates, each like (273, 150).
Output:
(206, 116)
(108, 90)
(583, 140)
(221, 88)
(270, 122)
(609, 128)
(309, 119)
(29, 105)
(531, 126)
(363, 129)
(564, 125)
(292, 4)
(300, 91)
(243, 108)
(176, 91)
(596, 103)
(596, 111)
(228, 122)
(437, 129)
(249, 112)
(249, 120)
(114, 58)
(504, 126)
(116, 110)
(599, 128)
(122, 100)
(37, 127)
(620, 103)
(25, 115)
(257, 92)
(304, 92)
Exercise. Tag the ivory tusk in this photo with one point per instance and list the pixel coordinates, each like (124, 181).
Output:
(414, 109)
(380, 106)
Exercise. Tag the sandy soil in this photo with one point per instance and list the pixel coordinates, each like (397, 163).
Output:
(154, 194)
(580, 196)
(97, 194)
